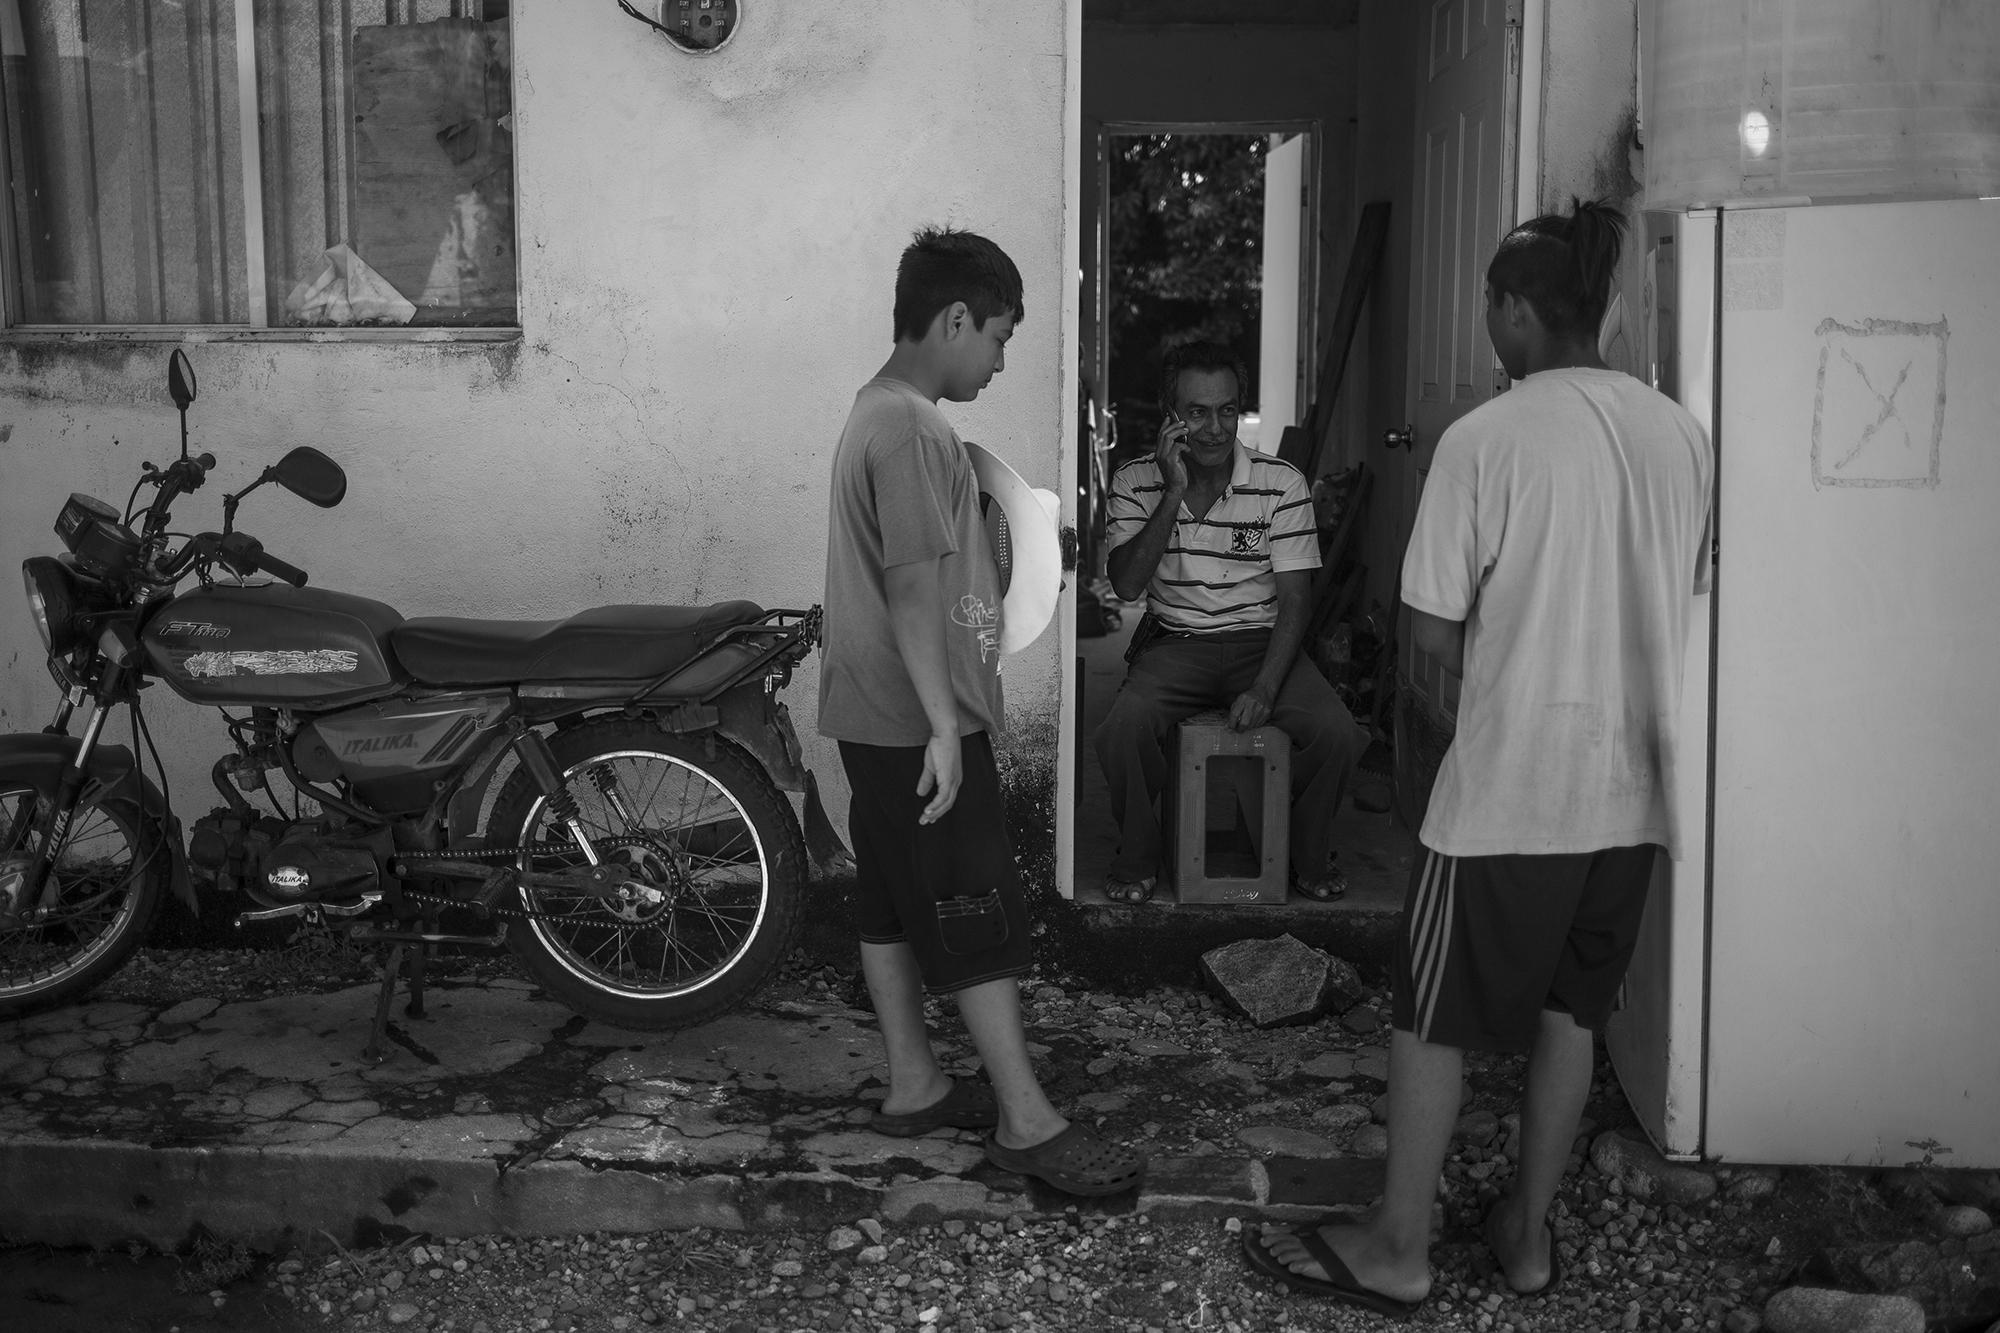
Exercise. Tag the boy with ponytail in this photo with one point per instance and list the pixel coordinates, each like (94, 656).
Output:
(1559, 543)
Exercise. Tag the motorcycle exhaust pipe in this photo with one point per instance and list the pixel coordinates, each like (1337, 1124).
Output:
(308, 909)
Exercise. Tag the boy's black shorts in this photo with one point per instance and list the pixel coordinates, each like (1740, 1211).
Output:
(949, 889)
(1486, 943)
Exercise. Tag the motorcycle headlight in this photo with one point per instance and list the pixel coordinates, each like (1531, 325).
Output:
(56, 601)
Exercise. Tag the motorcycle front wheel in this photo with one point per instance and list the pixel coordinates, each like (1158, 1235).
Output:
(713, 876)
(64, 935)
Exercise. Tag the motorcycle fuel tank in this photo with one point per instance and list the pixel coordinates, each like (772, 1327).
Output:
(274, 645)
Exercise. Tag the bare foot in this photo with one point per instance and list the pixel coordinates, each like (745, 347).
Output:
(1522, 1248)
(1374, 1265)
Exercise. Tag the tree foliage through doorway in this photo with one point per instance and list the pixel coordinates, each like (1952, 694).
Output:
(1187, 220)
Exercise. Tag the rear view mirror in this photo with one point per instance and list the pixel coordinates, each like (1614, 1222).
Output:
(312, 476)
(180, 379)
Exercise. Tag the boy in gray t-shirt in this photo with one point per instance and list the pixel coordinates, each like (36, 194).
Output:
(910, 687)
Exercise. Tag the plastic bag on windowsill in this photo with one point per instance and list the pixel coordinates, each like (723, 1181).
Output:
(345, 292)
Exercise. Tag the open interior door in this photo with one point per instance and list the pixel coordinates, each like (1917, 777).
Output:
(1465, 141)
(1286, 287)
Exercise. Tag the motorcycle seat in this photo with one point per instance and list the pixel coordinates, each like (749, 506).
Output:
(634, 643)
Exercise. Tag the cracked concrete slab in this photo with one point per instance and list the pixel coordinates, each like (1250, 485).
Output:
(498, 1112)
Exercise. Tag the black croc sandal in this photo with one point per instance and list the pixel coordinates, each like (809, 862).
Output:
(1077, 1161)
(969, 1105)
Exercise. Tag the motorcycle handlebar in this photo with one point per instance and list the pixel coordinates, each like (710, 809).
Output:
(176, 479)
(246, 554)
(277, 568)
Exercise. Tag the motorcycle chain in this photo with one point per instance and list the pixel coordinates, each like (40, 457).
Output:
(500, 854)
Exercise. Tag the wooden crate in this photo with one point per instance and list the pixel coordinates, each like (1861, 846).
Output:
(1229, 813)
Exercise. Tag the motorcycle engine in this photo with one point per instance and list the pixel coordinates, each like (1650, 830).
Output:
(279, 862)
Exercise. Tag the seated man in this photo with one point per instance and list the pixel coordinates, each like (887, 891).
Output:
(1221, 541)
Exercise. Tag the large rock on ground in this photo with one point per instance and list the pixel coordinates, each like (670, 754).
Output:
(1276, 982)
(1823, 1310)
(1964, 1221)
(1647, 1175)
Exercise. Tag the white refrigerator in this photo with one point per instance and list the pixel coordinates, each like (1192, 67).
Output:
(1819, 980)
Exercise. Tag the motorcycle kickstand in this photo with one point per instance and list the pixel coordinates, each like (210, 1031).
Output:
(401, 955)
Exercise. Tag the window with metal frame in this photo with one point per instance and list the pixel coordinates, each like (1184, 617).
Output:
(257, 163)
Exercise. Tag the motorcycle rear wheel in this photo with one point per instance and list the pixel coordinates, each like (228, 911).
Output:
(713, 897)
(110, 873)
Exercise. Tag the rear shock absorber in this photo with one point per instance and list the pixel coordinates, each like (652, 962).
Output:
(540, 762)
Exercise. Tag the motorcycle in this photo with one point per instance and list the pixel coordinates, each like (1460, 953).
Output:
(640, 857)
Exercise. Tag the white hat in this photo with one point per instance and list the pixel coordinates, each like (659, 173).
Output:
(1021, 524)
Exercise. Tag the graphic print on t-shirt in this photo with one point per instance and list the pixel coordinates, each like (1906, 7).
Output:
(974, 614)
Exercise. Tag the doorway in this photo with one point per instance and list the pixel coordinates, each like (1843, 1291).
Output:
(1203, 232)
(1347, 84)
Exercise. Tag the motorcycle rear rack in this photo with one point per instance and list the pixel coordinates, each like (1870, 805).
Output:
(777, 634)
(780, 632)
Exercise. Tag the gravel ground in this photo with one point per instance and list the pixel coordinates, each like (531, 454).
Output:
(1632, 1264)
(1638, 1268)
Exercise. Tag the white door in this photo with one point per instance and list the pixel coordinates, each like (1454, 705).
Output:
(1855, 957)
(1464, 176)
(1286, 275)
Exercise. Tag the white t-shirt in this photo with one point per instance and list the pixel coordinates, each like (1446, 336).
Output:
(1566, 522)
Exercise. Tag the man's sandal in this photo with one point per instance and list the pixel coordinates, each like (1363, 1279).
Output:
(1321, 888)
(1339, 1284)
(1131, 892)
(1077, 1161)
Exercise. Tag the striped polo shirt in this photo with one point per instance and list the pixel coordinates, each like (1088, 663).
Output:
(1219, 570)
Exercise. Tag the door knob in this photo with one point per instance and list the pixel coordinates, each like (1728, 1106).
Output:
(1399, 439)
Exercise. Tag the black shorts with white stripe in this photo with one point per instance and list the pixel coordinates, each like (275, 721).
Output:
(1486, 943)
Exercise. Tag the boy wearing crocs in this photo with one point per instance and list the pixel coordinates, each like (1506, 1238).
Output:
(910, 688)
(1559, 544)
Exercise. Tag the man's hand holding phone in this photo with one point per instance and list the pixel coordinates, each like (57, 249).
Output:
(1171, 454)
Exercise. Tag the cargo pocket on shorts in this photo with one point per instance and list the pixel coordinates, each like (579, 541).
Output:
(972, 925)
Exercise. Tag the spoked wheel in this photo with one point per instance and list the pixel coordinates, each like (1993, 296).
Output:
(708, 876)
(93, 907)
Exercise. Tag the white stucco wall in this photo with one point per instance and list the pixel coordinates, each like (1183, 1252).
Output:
(1584, 134)
(708, 248)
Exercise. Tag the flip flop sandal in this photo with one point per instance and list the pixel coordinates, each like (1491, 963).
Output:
(968, 1105)
(1131, 892)
(1323, 888)
(1339, 1284)
(1077, 1161)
